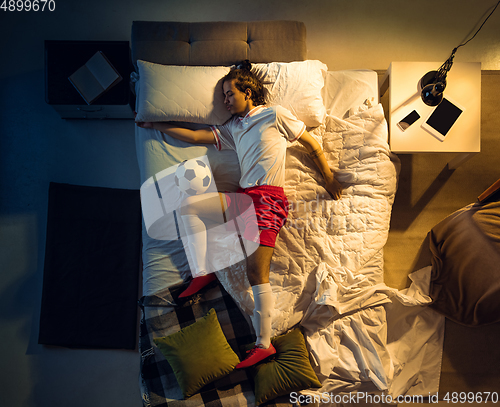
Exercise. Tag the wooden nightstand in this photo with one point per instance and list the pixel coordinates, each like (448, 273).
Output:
(63, 58)
(463, 86)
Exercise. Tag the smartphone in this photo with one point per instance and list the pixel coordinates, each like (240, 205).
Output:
(408, 120)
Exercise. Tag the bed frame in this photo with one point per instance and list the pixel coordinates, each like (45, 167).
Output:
(218, 43)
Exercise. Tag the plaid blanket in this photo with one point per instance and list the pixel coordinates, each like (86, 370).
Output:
(164, 314)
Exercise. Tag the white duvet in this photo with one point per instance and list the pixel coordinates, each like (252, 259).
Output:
(327, 270)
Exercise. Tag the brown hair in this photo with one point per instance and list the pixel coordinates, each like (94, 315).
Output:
(246, 79)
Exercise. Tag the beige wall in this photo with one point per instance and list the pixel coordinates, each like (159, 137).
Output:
(345, 34)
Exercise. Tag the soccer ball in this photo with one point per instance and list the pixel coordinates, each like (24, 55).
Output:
(193, 177)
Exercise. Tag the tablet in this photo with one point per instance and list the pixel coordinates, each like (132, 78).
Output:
(442, 118)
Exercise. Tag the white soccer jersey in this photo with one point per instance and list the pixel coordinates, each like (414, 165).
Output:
(259, 140)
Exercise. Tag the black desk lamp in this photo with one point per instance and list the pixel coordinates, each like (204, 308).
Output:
(433, 83)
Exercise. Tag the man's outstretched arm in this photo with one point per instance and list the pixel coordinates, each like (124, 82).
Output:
(198, 136)
(316, 153)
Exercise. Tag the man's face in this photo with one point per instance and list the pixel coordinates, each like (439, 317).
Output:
(237, 102)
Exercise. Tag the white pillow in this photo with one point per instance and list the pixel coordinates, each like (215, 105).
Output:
(296, 86)
(181, 93)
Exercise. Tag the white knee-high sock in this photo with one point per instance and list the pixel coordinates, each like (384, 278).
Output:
(196, 243)
(262, 313)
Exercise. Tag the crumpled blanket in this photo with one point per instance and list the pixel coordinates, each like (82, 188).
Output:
(346, 234)
(327, 269)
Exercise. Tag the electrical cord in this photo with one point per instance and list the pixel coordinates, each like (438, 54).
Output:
(479, 29)
(443, 70)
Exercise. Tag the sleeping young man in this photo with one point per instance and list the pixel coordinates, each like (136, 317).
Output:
(259, 135)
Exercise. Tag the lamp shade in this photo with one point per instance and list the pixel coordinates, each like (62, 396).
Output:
(432, 86)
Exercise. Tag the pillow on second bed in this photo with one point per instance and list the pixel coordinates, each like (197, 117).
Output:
(181, 93)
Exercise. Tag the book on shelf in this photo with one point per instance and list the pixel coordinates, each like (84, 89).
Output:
(96, 77)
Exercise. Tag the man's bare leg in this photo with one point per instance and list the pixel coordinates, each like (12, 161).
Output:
(258, 275)
(258, 264)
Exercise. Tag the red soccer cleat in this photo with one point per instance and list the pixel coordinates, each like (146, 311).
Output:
(255, 356)
(197, 284)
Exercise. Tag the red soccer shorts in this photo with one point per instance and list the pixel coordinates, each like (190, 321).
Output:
(271, 210)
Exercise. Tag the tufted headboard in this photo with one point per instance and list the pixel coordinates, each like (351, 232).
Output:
(218, 43)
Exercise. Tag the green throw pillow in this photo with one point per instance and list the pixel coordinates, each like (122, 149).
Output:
(198, 354)
(289, 370)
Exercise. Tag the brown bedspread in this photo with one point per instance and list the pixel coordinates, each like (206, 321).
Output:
(465, 249)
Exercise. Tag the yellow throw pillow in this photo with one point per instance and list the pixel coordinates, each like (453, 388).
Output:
(289, 370)
(198, 354)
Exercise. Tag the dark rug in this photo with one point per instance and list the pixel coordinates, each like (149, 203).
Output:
(92, 266)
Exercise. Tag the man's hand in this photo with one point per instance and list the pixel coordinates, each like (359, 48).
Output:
(333, 187)
(145, 125)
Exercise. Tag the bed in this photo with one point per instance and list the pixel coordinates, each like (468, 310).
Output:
(352, 334)
(463, 252)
